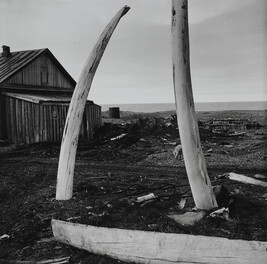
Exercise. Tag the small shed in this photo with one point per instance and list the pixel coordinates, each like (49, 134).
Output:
(35, 93)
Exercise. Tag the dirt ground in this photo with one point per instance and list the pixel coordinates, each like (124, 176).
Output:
(110, 174)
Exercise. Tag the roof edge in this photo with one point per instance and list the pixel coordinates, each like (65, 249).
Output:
(39, 53)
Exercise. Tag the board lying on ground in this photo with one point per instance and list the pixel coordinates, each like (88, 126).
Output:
(158, 248)
(49, 261)
(242, 178)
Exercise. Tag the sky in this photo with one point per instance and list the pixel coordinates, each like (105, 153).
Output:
(228, 46)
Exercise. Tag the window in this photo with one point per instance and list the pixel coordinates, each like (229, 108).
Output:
(44, 75)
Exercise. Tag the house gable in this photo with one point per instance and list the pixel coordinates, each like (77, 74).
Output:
(35, 69)
(42, 71)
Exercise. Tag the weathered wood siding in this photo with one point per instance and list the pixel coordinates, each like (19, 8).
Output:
(27, 122)
(41, 72)
(91, 121)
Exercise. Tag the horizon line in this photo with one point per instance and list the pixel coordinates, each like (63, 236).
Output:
(195, 102)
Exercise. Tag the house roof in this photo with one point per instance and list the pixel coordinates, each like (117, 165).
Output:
(33, 98)
(18, 60)
(22, 88)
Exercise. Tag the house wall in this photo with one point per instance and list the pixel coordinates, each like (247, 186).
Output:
(26, 122)
(41, 72)
(92, 121)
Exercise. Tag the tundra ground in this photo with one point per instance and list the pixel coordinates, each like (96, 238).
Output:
(110, 174)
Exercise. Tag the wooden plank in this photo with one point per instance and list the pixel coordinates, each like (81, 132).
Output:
(54, 118)
(88, 122)
(4, 117)
(52, 122)
(1, 117)
(23, 136)
(64, 115)
(188, 127)
(13, 120)
(55, 122)
(48, 261)
(45, 129)
(60, 107)
(26, 97)
(188, 218)
(73, 123)
(158, 248)
(99, 118)
(92, 121)
(18, 120)
(21, 120)
(49, 124)
(25, 88)
(64, 111)
(41, 122)
(8, 118)
(58, 123)
(242, 178)
(3, 126)
(85, 123)
(31, 123)
(48, 120)
(37, 122)
(27, 135)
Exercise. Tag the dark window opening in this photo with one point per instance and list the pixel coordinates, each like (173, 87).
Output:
(44, 76)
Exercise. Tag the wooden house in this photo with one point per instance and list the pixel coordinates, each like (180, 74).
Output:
(35, 92)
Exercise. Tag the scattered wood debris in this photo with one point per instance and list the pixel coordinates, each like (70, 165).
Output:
(141, 199)
(5, 236)
(118, 137)
(260, 176)
(188, 218)
(221, 213)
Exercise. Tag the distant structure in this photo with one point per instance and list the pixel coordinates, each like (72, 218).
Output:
(35, 92)
(228, 124)
(114, 112)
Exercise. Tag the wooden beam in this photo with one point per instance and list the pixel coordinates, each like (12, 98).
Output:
(188, 127)
(49, 261)
(76, 109)
(242, 178)
(158, 248)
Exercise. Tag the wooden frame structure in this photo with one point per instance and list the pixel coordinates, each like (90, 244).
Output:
(35, 92)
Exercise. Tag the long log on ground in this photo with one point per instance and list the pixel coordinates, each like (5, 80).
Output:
(188, 128)
(158, 248)
(242, 178)
(49, 261)
(75, 113)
